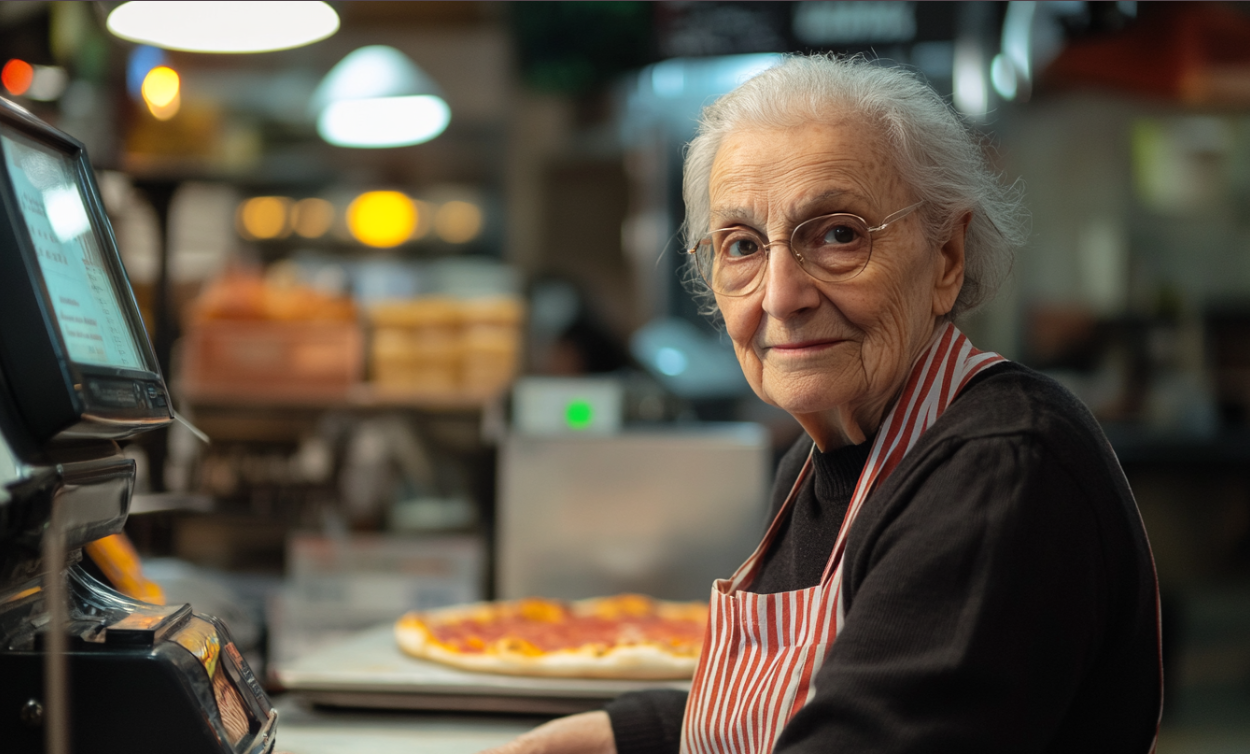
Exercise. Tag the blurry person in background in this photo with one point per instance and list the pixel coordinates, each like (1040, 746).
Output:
(956, 562)
(568, 337)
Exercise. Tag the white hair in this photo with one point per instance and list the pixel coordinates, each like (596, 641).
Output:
(940, 159)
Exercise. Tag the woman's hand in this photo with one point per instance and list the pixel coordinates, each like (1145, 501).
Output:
(587, 733)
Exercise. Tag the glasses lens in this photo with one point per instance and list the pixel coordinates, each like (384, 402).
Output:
(731, 260)
(833, 247)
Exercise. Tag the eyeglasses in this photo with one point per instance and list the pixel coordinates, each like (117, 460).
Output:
(831, 248)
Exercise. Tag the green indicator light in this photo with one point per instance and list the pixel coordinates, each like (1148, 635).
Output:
(578, 414)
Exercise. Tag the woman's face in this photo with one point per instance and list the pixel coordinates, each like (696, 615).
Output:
(832, 354)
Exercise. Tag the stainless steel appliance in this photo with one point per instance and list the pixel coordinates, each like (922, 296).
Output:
(660, 511)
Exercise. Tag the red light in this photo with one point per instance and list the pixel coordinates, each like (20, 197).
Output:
(16, 76)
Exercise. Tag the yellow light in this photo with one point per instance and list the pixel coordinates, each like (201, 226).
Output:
(382, 218)
(312, 217)
(165, 112)
(161, 92)
(160, 86)
(458, 222)
(265, 217)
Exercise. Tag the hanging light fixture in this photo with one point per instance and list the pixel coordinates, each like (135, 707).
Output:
(376, 97)
(225, 27)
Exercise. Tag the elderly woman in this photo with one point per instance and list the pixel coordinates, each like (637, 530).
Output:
(956, 562)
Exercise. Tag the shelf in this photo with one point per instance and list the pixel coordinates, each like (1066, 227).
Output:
(359, 396)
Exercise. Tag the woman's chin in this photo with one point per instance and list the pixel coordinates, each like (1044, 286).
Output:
(803, 404)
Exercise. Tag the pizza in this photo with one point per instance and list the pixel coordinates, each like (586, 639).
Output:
(626, 636)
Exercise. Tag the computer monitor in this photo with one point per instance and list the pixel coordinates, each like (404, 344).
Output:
(74, 355)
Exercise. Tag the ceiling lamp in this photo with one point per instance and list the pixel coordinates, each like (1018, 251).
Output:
(227, 27)
(376, 97)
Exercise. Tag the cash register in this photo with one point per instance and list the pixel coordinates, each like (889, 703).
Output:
(83, 667)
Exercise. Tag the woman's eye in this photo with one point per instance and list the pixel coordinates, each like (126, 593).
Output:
(741, 247)
(840, 235)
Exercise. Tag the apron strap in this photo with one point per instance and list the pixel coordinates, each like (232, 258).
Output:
(746, 572)
(936, 378)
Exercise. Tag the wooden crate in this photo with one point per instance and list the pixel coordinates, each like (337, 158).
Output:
(252, 361)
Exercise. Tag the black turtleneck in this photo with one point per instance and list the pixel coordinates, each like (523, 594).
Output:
(798, 555)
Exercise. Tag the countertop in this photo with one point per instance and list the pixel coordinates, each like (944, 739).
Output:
(303, 729)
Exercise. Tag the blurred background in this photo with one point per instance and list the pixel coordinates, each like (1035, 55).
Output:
(415, 333)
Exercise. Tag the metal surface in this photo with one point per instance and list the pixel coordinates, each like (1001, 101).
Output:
(264, 740)
(56, 694)
(369, 670)
(663, 513)
(317, 730)
(521, 705)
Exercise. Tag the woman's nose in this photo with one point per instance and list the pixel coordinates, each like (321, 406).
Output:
(788, 290)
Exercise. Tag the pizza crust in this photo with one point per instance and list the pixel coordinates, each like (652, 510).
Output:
(635, 660)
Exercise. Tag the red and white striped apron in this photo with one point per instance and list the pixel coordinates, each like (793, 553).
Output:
(761, 652)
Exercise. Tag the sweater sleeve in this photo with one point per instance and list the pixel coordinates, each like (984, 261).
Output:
(974, 608)
(647, 722)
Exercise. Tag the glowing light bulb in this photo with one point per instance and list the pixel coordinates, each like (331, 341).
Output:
(160, 86)
(264, 217)
(312, 217)
(160, 92)
(382, 219)
(17, 76)
(48, 83)
(458, 222)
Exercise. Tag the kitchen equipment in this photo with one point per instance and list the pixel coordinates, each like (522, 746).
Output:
(663, 512)
(81, 665)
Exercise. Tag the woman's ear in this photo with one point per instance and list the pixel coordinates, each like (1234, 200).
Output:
(949, 268)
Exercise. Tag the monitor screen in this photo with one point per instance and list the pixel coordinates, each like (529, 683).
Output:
(82, 292)
(75, 362)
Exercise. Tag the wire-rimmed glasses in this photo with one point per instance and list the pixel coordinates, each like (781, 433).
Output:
(832, 248)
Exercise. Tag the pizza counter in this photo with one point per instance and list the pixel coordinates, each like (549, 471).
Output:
(369, 670)
(365, 694)
(362, 696)
(315, 730)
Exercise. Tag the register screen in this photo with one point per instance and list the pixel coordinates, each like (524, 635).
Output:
(84, 298)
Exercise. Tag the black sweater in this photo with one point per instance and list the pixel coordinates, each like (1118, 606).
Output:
(1000, 594)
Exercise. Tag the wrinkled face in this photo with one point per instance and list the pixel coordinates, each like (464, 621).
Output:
(810, 346)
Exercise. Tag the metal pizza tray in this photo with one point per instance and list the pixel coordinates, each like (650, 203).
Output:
(368, 670)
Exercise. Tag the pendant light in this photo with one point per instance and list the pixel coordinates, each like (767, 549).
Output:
(224, 27)
(377, 97)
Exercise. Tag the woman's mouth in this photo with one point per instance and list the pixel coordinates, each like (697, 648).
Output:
(801, 347)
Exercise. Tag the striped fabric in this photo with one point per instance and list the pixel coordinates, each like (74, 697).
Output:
(761, 652)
